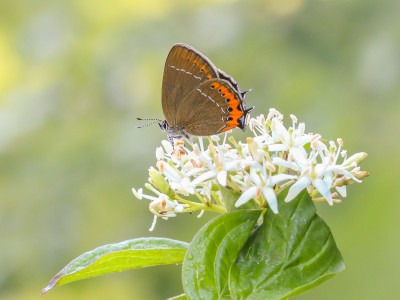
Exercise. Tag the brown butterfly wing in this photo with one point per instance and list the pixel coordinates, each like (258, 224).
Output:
(212, 107)
(185, 68)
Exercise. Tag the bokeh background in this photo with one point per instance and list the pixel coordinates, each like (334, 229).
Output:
(74, 75)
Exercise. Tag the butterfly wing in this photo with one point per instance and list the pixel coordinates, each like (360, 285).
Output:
(185, 68)
(212, 107)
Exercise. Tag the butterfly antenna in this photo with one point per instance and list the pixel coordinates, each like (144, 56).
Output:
(145, 125)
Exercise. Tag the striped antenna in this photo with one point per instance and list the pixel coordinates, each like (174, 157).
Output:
(145, 125)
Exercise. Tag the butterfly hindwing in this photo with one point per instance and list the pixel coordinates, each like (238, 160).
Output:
(212, 107)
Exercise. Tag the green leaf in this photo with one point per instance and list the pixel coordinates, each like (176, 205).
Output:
(213, 250)
(179, 297)
(291, 252)
(131, 254)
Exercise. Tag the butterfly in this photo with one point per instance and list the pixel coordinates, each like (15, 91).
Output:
(198, 99)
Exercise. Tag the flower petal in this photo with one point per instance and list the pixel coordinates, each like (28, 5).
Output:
(221, 177)
(138, 193)
(159, 153)
(297, 187)
(275, 179)
(284, 163)
(338, 170)
(255, 177)
(270, 196)
(246, 196)
(169, 172)
(278, 147)
(299, 155)
(301, 140)
(203, 177)
(167, 146)
(279, 131)
(342, 190)
(323, 189)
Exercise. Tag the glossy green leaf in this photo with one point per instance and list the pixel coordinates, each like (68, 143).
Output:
(291, 252)
(212, 252)
(131, 254)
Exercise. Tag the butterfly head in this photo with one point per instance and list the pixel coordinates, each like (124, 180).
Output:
(164, 125)
(172, 132)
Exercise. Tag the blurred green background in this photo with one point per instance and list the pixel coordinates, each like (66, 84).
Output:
(74, 75)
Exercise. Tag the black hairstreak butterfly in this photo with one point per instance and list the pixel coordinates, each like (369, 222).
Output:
(197, 98)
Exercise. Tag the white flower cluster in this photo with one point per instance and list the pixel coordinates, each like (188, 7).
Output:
(188, 178)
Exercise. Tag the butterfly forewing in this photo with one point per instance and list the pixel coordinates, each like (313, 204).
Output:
(184, 70)
(227, 77)
(212, 107)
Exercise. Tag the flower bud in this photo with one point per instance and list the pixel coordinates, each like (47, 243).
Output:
(160, 183)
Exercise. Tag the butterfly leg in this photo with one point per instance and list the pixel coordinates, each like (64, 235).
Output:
(171, 139)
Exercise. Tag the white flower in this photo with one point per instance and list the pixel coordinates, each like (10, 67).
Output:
(164, 207)
(274, 158)
(292, 140)
(263, 184)
(219, 161)
(177, 180)
(160, 206)
(321, 175)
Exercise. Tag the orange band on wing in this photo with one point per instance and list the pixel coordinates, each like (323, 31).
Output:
(234, 110)
(229, 125)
